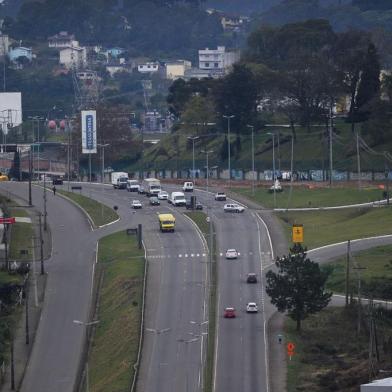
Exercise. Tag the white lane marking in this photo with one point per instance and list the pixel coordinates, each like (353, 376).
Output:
(263, 309)
(268, 233)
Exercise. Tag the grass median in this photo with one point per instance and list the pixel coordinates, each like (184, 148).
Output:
(331, 226)
(98, 212)
(312, 196)
(200, 219)
(120, 271)
(375, 274)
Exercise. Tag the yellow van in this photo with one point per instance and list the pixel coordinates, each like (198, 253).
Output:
(166, 222)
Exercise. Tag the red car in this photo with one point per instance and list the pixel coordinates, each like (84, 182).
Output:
(229, 313)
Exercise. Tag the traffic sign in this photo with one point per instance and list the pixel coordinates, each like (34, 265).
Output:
(8, 221)
(290, 349)
(298, 233)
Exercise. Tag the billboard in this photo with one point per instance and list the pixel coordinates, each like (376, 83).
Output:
(89, 132)
(10, 111)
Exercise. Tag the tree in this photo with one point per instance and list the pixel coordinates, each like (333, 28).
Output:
(15, 168)
(298, 286)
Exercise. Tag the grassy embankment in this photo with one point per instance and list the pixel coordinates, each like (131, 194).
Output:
(200, 219)
(326, 360)
(21, 238)
(120, 272)
(99, 213)
(324, 227)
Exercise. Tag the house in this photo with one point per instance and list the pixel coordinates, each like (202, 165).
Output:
(218, 60)
(4, 45)
(196, 73)
(154, 122)
(73, 57)
(177, 69)
(62, 40)
(114, 68)
(234, 23)
(149, 67)
(114, 52)
(20, 52)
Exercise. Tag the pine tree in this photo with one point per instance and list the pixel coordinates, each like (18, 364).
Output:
(298, 286)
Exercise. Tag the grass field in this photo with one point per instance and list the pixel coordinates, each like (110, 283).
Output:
(376, 278)
(99, 213)
(200, 219)
(327, 227)
(116, 340)
(311, 197)
(328, 361)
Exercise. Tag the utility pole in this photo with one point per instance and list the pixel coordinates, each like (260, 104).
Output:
(45, 212)
(6, 247)
(358, 268)
(253, 159)
(330, 148)
(89, 167)
(69, 154)
(229, 117)
(193, 138)
(26, 291)
(41, 242)
(347, 271)
(207, 169)
(30, 175)
(358, 162)
(12, 363)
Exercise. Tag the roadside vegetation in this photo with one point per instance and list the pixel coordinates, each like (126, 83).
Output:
(200, 219)
(99, 213)
(328, 361)
(376, 275)
(327, 227)
(120, 279)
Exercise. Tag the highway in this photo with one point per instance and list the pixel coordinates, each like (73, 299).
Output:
(176, 317)
(176, 308)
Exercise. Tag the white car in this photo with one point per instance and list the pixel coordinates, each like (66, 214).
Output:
(220, 196)
(136, 204)
(231, 254)
(163, 195)
(232, 207)
(251, 307)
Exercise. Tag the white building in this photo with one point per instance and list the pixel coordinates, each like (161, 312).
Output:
(150, 67)
(218, 60)
(4, 45)
(177, 69)
(62, 40)
(73, 56)
(384, 385)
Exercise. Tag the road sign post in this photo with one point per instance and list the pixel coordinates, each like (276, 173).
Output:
(290, 349)
(7, 221)
(298, 233)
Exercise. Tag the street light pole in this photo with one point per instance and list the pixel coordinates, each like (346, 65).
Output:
(273, 164)
(193, 138)
(207, 152)
(228, 117)
(253, 159)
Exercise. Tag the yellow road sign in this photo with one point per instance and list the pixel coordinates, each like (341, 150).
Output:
(298, 233)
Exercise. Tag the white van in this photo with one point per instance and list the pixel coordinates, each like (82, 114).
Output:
(177, 199)
(133, 186)
(188, 186)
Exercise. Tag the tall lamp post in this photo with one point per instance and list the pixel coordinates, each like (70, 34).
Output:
(253, 159)
(273, 164)
(103, 160)
(193, 138)
(78, 322)
(207, 152)
(228, 117)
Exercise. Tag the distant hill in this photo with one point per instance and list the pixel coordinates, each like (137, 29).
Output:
(10, 7)
(242, 6)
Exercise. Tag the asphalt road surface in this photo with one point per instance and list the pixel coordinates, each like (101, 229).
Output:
(57, 347)
(176, 308)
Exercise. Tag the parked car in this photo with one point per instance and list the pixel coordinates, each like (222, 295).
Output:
(229, 313)
(136, 204)
(232, 207)
(220, 196)
(163, 195)
(154, 201)
(231, 254)
(251, 278)
(251, 307)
